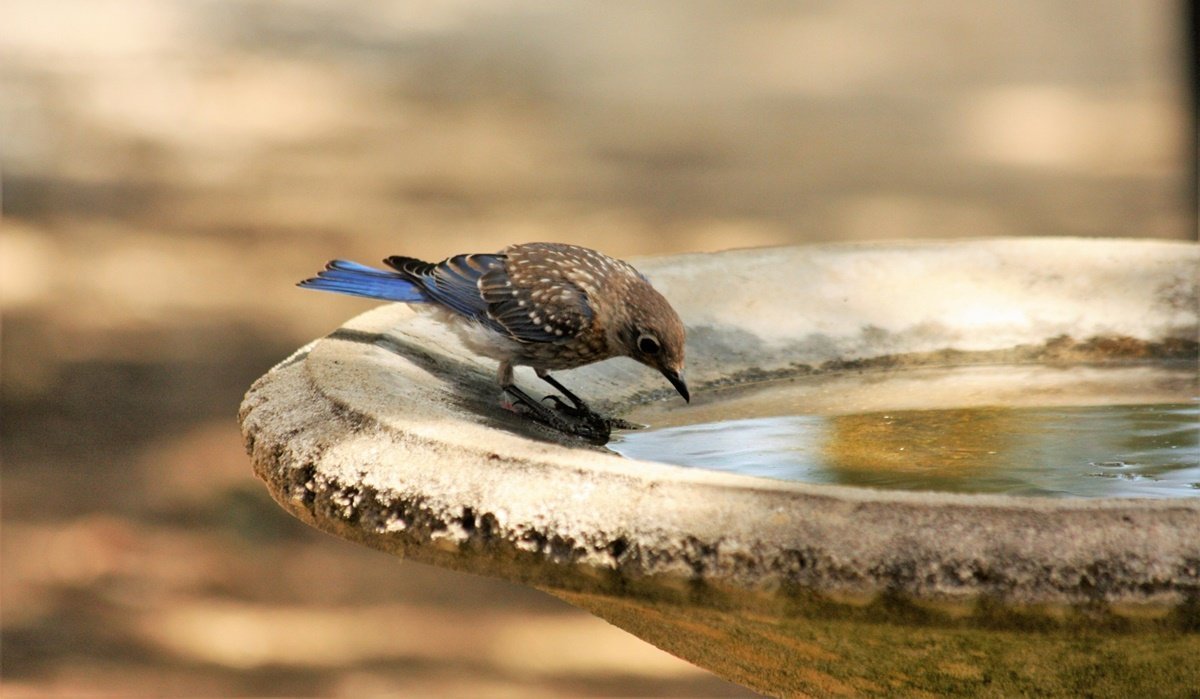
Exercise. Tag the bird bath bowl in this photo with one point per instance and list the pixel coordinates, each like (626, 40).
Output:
(388, 433)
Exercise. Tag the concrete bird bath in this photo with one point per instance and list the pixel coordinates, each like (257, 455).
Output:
(387, 433)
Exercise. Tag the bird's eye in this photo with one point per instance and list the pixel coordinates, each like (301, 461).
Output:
(647, 344)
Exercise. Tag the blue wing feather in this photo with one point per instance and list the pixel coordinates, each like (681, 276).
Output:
(454, 283)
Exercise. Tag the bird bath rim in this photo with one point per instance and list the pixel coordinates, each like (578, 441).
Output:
(387, 432)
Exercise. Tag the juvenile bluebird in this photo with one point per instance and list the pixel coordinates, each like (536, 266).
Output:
(548, 306)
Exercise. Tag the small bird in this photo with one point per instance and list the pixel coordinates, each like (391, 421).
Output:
(548, 306)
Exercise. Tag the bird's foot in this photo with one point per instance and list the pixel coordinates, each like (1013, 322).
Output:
(580, 410)
(569, 420)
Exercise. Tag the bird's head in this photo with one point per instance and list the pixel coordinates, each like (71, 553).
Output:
(654, 335)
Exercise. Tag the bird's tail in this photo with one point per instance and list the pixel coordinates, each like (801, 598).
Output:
(351, 278)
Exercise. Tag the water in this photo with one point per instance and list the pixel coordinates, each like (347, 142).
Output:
(1078, 432)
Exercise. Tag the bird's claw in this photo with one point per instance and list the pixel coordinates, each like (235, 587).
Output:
(583, 423)
(593, 418)
(578, 410)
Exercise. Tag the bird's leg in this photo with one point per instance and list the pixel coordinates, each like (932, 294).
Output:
(580, 408)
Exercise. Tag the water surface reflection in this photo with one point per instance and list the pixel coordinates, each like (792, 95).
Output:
(1088, 450)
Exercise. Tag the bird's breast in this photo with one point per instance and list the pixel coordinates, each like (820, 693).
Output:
(569, 354)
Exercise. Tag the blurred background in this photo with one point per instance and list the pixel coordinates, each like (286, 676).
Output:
(172, 167)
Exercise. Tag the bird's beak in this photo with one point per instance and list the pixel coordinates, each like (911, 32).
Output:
(677, 381)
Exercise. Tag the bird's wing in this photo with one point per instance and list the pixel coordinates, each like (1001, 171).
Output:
(541, 309)
(453, 283)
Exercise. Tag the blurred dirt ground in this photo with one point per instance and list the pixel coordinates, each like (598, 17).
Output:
(172, 168)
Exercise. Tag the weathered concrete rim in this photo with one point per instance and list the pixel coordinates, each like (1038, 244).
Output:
(439, 477)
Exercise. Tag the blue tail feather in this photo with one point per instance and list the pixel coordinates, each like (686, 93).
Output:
(354, 279)
(352, 266)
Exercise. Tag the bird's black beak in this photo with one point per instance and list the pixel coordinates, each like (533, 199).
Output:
(677, 381)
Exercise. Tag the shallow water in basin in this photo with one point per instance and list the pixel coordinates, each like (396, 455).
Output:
(1074, 432)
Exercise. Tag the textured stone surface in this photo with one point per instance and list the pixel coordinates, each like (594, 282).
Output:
(387, 433)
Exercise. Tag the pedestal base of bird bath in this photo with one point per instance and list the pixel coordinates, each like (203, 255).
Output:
(388, 434)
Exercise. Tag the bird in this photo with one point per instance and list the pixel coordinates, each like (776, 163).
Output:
(548, 306)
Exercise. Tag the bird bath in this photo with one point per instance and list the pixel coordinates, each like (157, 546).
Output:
(388, 433)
